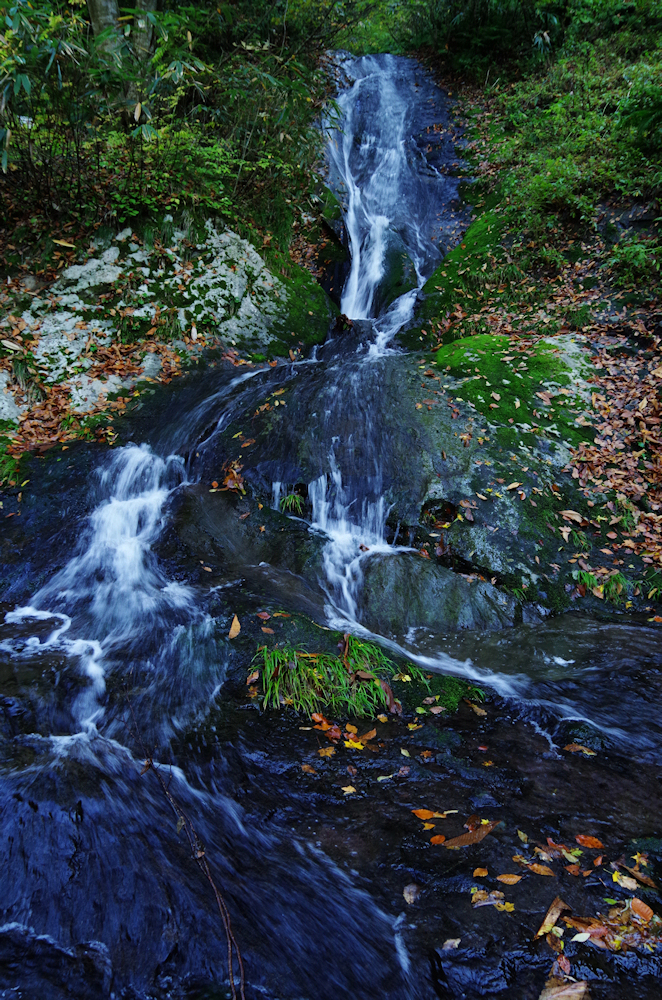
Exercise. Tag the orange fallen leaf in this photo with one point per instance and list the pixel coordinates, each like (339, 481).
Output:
(437, 839)
(253, 677)
(641, 909)
(509, 879)
(308, 769)
(473, 836)
(480, 872)
(578, 748)
(541, 870)
(326, 751)
(423, 813)
(589, 841)
(351, 729)
(264, 615)
(269, 631)
(235, 628)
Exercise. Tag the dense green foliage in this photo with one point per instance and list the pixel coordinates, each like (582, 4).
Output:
(205, 106)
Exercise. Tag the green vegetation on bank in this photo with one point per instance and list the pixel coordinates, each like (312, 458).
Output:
(122, 114)
(359, 681)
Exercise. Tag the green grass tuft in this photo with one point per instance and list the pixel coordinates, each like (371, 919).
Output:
(355, 682)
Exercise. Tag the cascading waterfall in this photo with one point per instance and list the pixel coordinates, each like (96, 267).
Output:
(377, 171)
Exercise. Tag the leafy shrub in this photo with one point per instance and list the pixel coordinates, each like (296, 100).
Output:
(635, 261)
(641, 110)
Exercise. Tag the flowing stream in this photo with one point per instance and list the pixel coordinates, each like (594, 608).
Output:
(98, 898)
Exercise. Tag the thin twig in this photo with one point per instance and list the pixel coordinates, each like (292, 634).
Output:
(199, 856)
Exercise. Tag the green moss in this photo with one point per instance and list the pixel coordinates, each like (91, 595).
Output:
(501, 384)
(306, 316)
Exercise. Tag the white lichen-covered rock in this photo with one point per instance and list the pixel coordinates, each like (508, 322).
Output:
(9, 408)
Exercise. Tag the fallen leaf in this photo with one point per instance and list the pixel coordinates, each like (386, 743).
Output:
(553, 913)
(578, 748)
(426, 754)
(472, 837)
(326, 751)
(475, 708)
(428, 826)
(589, 841)
(523, 837)
(509, 879)
(437, 839)
(264, 616)
(626, 881)
(641, 909)
(480, 872)
(382, 718)
(411, 893)
(354, 745)
(541, 869)
(348, 789)
(385, 777)
(269, 631)
(351, 729)
(423, 813)
(253, 677)
(308, 769)
(450, 944)
(572, 515)
(568, 991)
(370, 735)
(405, 753)
(235, 628)
(437, 709)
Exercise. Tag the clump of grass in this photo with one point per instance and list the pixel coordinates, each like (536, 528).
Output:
(354, 682)
(292, 504)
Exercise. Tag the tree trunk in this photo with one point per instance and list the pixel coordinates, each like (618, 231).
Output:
(103, 14)
(142, 29)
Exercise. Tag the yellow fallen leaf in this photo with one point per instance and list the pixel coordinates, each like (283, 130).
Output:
(348, 789)
(382, 718)
(385, 777)
(63, 243)
(413, 725)
(475, 708)
(351, 729)
(327, 751)
(428, 826)
(508, 907)
(235, 628)
(354, 745)
(405, 753)
(625, 881)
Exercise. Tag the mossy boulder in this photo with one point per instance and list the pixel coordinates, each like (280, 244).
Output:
(408, 591)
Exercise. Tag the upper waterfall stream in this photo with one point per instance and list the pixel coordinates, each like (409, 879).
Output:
(116, 649)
